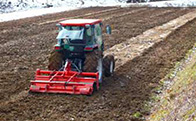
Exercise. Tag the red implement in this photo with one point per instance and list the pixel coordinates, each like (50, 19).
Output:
(67, 81)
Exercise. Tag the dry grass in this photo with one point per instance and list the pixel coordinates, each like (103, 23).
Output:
(178, 100)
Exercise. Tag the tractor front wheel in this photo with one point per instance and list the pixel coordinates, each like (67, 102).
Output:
(108, 65)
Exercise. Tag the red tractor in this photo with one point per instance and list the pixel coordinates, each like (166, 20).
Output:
(77, 64)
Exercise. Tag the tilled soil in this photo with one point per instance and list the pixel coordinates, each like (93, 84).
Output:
(26, 44)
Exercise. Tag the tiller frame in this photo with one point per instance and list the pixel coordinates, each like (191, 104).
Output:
(66, 81)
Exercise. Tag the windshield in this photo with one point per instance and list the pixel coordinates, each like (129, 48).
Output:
(71, 32)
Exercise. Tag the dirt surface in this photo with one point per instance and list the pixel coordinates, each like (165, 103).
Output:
(131, 48)
(26, 44)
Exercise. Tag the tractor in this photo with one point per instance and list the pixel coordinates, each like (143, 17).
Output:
(76, 64)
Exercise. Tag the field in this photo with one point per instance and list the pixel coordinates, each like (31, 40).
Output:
(25, 46)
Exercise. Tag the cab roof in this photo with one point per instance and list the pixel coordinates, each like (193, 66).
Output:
(79, 22)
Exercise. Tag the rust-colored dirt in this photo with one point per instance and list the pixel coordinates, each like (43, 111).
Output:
(26, 44)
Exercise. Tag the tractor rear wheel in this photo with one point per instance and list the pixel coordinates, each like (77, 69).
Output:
(108, 65)
(55, 60)
(93, 63)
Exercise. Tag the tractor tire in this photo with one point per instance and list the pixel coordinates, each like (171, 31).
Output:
(90, 63)
(55, 61)
(93, 63)
(108, 65)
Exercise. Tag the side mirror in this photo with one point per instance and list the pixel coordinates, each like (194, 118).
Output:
(59, 27)
(108, 29)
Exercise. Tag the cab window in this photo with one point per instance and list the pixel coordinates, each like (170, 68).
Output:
(73, 27)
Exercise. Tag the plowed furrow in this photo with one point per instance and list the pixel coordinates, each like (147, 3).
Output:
(120, 96)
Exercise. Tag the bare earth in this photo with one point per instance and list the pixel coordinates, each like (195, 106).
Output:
(25, 45)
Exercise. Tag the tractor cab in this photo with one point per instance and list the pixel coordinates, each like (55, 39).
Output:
(86, 33)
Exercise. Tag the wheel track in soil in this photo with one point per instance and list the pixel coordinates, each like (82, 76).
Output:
(137, 25)
(19, 41)
(121, 16)
(40, 27)
(18, 25)
(32, 69)
(16, 43)
(133, 47)
(105, 19)
(94, 14)
(37, 28)
(22, 30)
(53, 110)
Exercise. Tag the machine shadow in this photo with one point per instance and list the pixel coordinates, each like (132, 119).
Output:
(133, 83)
